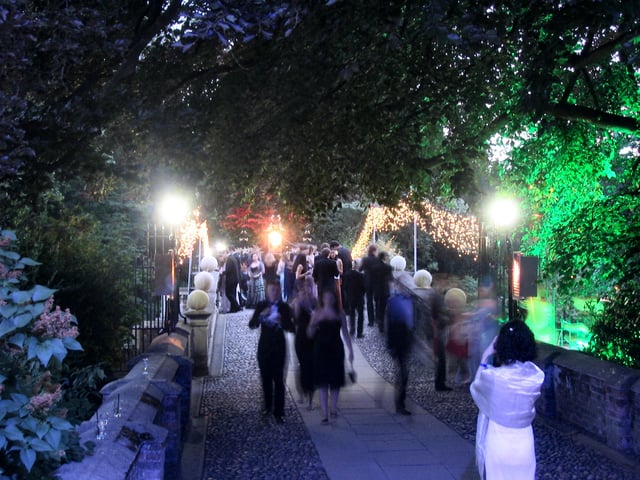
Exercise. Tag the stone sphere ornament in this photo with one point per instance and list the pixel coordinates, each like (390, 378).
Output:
(203, 281)
(198, 300)
(455, 298)
(208, 264)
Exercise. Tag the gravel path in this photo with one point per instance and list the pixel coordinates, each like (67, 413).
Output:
(241, 444)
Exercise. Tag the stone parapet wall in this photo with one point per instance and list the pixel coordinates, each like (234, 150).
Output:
(596, 396)
(145, 441)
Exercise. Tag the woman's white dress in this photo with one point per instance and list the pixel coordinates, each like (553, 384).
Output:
(506, 398)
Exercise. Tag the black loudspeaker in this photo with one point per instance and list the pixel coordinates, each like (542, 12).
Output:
(525, 276)
(163, 281)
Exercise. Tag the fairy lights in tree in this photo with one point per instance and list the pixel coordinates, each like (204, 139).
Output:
(453, 230)
(192, 231)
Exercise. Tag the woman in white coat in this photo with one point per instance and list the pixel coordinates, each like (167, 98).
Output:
(505, 393)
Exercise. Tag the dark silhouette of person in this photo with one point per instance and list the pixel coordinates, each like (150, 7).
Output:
(325, 271)
(303, 307)
(231, 280)
(353, 283)
(399, 340)
(274, 317)
(381, 277)
(366, 267)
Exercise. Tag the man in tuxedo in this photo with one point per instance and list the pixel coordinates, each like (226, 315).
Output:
(231, 279)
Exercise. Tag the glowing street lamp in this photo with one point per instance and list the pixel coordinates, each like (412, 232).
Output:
(173, 210)
(274, 233)
(275, 239)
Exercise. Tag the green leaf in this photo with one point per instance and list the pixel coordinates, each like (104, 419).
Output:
(71, 343)
(40, 293)
(18, 341)
(9, 255)
(29, 262)
(8, 310)
(36, 309)
(60, 423)
(6, 326)
(19, 398)
(42, 428)
(43, 351)
(40, 445)
(28, 458)
(21, 297)
(53, 437)
(13, 433)
(22, 320)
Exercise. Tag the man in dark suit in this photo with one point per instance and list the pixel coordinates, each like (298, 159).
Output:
(325, 272)
(366, 267)
(273, 317)
(353, 283)
(231, 279)
(347, 265)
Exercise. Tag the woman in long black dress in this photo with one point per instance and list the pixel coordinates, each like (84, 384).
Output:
(327, 322)
(303, 308)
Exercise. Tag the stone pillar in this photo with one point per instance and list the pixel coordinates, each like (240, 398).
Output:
(197, 328)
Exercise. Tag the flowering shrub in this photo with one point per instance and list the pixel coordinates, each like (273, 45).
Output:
(35, 337)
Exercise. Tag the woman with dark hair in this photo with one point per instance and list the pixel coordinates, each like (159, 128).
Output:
(327, 324)
(505, 393)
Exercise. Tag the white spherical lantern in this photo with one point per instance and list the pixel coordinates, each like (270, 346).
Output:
(203, 281)
(198, 300)
(208, 264)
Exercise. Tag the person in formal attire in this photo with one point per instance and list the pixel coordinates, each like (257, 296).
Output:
(270, 268)
(325, 271)
(303, 307)
(434, 321)
(256, 291)
(302, 271)
(343, 254)
(381, 278)
(333, 255)
(353, 283)
(366, 267)
(505, 391)
(327, 324)
(231, 280)
(273, 317)
(399, 328)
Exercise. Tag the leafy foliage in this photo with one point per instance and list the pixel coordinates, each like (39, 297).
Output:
(34, 341)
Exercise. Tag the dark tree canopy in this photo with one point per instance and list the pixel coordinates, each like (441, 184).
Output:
(310, 102)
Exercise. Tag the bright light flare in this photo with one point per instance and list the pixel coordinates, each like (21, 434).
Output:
(173, 210)
(275, 239)
(503, 212)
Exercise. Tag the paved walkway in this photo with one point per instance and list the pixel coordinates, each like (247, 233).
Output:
(369, 440)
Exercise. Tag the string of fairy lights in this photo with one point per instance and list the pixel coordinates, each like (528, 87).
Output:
(192, 231)
(453, 230)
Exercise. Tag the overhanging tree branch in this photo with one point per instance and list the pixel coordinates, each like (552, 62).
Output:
(597, 117)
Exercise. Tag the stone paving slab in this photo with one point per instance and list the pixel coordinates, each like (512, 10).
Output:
(369, 440)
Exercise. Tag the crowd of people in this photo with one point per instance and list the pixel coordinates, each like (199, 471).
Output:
(320, 296)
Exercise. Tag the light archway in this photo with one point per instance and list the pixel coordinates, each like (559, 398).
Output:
(455, 230)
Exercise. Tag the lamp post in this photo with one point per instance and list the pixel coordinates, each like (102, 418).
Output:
(503, 212)
(173, 210)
